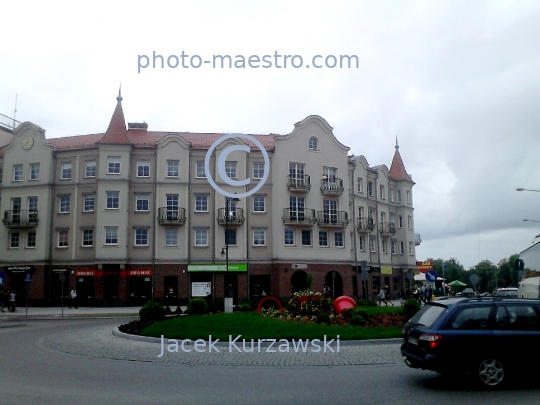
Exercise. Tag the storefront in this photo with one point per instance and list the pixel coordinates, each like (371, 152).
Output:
(213, 281)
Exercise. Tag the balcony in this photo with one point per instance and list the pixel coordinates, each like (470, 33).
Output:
(235, 218)
(387, 229)
(171, 216)
(365, 225)
(338, 219)
(20, 219)
(332, 186)
(417, 239)
(305, 217)
(300, 184)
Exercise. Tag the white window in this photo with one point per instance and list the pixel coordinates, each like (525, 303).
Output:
(171, 237)
(313, 143)
(361, 243)
(230, 169)
(88, 237)
(201, 172)
(17, 172)
(338, 240)
(408, 196)
(370, 188)
(113, 165)
(172, 207)
(141, 237)
(360, 185)
(381, 192)
(297, 176)
(64, 204)
(329, 177)
(401, 248)
(201, 203)
(63, 239)
(172, 168)
(393, 247)
(90, 170)
(14, 240)
(399, 196)
(258, 203)
(323, 239)
(411, 249)
(306, 237)
(391, 195)
(34, 171)
(400, 221)
(409, 221)
(258, 170)
(31, 239)
(289, 237)
(259, 237)
(141, 202)
(384, 246)
(201, 237)
(32, 205)
(372, 244)
(113, 200)
(89, 203)
(111, 235)
(143, 168)
(66, 171)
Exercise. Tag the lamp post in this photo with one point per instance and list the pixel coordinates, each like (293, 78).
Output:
(225, 250)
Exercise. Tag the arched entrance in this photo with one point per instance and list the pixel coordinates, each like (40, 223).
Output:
(298, 281)
(335, 284)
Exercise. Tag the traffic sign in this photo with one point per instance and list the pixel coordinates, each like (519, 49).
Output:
(431, 276)
(2, 278)
(28, 278)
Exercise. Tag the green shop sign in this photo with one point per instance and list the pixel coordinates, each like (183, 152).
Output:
(236, 267)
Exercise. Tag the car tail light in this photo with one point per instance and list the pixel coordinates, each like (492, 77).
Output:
(433, 341)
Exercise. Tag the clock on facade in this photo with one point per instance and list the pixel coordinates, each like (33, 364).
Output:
(28, 142)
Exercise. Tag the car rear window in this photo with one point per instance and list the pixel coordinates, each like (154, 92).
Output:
(427, 315)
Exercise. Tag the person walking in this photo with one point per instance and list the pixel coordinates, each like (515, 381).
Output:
(416, 294)
(401, 296)
(387, 295)
(382, 297)
(422, 295)
(12, 303)
(429, 294)
(73, 296)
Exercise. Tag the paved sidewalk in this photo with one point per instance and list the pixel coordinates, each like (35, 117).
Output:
(56, 312)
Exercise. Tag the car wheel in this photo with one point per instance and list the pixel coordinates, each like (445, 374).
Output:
(491, 372)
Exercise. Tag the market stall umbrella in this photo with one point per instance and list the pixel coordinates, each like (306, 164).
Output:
(457, 283)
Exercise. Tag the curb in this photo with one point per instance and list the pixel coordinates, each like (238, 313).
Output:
(13, 325)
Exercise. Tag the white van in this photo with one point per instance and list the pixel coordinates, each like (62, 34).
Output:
(529, 288)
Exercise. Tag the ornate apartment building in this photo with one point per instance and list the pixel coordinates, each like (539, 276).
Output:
(130, 214)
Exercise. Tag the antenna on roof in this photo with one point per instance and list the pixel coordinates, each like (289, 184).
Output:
(119, 98)
(397, 145)
(15, 112)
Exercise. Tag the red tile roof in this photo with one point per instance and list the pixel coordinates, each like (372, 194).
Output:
(117, 132)
(397, 170)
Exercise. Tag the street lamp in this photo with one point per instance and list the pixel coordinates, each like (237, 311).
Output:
(225, 250)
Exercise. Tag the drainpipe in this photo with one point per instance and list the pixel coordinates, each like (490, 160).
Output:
(154, 224)
(51, 220)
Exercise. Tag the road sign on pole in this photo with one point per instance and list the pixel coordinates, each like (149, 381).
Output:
(2, 278)
(28, 277)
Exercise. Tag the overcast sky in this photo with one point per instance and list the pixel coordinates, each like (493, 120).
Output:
(458, 82)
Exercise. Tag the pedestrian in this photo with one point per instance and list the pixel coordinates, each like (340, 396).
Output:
(422, 295)
(416, 294)
(387, 295)
(382, 297)
(400, 295)
(12, 303)
(429, 293)
(73, 301)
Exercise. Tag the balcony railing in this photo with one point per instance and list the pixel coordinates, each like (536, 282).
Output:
(295, 183)
(417, 239)
(332, 186)
(304, 217)
(20, 218)
(171, 216)
(337, 219)
(387, 229)
(365, 225)
(234, 218)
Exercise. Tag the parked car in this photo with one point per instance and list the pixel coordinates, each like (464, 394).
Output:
(507, 292)
(467, 292)
(487, 338)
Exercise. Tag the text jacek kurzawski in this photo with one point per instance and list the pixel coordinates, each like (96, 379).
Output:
(239, 345)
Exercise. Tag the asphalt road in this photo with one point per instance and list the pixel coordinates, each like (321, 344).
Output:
(31, 372)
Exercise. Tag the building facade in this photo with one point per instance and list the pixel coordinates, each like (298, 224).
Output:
(130, 215)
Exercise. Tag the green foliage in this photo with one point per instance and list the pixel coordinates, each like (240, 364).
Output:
(216, 306)
(411, 307)
(197, 306)
(309, 280)
(358, 320)
(362, 312)
(245, 307)
(152, 311)
(323, 317)
(366, 303)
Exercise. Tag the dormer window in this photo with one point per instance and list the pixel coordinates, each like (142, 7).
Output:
(313, 143)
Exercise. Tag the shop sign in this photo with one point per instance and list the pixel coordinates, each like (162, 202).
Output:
(235, 267)
(386, 270)
(19, 269)
(136, 273)
(201, 289)
(88, 273)
(299, 266)
(424, 267)
(59, 270)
